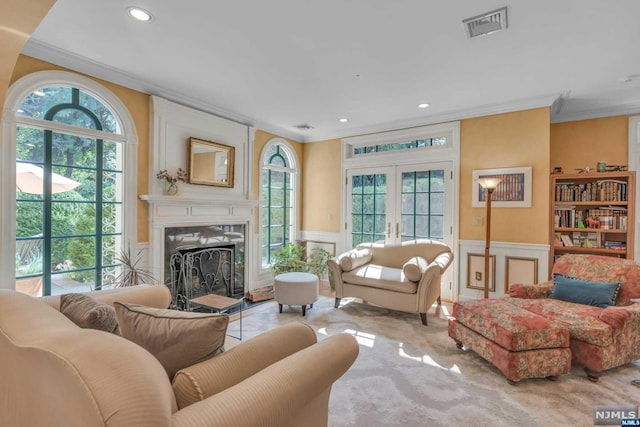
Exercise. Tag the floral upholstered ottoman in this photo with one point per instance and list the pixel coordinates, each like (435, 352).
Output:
(519, 343)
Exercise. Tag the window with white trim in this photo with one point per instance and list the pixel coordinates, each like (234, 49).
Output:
(70, 150)
(278, 197)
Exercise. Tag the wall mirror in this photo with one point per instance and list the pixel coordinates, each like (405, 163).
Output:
(210, 163)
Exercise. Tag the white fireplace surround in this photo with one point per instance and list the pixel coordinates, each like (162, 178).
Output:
(198, 205)
(177, 211)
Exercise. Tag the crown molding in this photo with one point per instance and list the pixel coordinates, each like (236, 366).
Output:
(628, 109)
(479, 111)
(46, 52)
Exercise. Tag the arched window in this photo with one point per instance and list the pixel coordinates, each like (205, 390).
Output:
(278, 201)
(70, 187)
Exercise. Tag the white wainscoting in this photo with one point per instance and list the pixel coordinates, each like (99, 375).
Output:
(514, 263)
(331, 242)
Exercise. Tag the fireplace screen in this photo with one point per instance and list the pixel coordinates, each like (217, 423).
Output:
(204, 260)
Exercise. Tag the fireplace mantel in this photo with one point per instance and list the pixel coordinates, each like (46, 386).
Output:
(162, 200)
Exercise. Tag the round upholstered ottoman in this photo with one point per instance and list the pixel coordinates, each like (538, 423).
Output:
(296, 289)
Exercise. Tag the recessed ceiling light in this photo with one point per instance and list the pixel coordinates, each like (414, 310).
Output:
(423, 105)
(39, 93)
(139, 14)
(343, 120)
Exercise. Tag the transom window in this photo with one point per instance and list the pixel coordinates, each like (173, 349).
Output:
(419, 143)
(278, 198)
(69, 192)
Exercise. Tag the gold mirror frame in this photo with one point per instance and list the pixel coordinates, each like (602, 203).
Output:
(210, 163)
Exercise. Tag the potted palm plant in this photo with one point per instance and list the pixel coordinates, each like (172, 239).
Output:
(132, 273)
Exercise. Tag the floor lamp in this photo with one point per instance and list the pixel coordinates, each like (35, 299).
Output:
(488, 184)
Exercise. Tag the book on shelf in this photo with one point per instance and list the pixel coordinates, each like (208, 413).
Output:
(566, 240)
(601, 190)
(612, 244)
(586, 239)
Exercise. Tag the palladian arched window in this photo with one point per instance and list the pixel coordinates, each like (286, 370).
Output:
(278, 207)
(70, 193)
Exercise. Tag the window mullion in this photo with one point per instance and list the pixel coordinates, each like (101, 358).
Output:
(99, 215)
(269, 202)
(68, 129)
(284, 209)
(47, 243)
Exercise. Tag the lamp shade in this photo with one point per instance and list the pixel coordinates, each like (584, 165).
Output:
(489, 182)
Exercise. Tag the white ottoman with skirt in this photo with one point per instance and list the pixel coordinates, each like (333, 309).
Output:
(296, 289)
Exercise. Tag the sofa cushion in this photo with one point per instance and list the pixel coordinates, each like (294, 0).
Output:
(378, 276)
(571, 289)
(582, 320)
(88, 313)
(354, 258)
(176, 338)
(414, 268)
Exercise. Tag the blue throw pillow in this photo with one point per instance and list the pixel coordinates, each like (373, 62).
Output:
(580, 291)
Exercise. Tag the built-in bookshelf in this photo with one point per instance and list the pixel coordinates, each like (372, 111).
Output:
(592, 213)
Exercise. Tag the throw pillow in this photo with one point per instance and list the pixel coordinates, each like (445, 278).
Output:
(414, 268)
(598, 294)
(88, 313)
(178, 339)
(354, 259)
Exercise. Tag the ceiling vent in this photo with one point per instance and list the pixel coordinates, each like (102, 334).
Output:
(303, 126)
(487, 23)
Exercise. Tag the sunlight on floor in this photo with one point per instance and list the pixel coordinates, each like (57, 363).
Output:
(347, 301)
(426, 360)
(363, 338)
(445, 313)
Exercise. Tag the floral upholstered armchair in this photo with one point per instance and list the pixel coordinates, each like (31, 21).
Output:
(598, 299)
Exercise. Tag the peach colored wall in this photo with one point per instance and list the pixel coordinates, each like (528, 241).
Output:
(18, 19)
(138, 105)
(586, 142)
(322, 185)
(507, 140)
(260, 139)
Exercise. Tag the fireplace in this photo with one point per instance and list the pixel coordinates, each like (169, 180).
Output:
(201, 260)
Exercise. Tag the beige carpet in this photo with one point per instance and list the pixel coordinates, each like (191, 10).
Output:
(411, 375)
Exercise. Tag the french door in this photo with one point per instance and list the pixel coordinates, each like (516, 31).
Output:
(393, 204)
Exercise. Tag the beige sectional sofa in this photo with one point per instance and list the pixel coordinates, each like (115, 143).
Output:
(404, 277)
(53, 373)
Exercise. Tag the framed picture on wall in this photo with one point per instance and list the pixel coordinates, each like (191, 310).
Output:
(514, 190)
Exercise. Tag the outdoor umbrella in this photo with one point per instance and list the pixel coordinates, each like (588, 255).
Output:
(30, 179)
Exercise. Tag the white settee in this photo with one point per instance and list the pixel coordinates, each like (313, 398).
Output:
(404, 277)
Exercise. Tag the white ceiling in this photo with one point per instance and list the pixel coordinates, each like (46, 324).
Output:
(280, 63)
